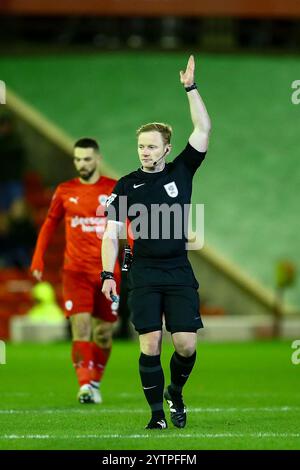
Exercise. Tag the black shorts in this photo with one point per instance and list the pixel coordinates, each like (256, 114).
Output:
(178, 304)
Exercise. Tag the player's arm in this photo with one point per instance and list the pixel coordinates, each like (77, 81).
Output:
(200, 136)
(54, 216)
(109, 252)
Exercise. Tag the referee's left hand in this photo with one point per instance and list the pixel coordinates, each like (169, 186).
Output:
(109, 287)
(187, 78)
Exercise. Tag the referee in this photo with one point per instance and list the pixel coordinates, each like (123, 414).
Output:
(161, 280)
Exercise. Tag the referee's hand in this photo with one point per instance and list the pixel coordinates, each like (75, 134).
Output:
(187, 77)
(109, 287)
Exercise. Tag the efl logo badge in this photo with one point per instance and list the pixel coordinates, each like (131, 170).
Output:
(171, 189)
(2, 92)
(110, 199)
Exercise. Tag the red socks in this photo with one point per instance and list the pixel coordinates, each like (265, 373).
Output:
(100, 357)
(82, 356)
(89, 361)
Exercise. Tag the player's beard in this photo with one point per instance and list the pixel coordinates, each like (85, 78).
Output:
(86, 176)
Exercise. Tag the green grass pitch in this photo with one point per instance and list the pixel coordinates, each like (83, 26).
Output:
(240, 396)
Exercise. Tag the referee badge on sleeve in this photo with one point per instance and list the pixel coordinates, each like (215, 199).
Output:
(171, 189)
(110, 199)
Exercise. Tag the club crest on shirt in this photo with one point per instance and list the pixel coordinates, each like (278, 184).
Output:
(69, 305)
(110, 199)
(171, 189)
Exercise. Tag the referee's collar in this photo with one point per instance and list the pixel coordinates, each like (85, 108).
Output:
(149, 174)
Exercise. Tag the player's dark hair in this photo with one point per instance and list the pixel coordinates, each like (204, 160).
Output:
(86, 143)
(164, 129)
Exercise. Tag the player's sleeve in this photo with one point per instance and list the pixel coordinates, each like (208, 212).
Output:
(55, 214)
(116, 204)
(190, 158)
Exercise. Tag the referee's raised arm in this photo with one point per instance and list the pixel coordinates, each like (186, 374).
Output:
(200, 136)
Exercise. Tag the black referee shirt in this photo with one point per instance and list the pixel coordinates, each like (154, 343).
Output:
(154, 204)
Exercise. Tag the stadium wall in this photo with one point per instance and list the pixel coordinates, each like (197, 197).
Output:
(253, 9)
(46, 145)
(220, 281)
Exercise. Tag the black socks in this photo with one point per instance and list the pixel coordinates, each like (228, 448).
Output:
(181, 367)
(152, 378)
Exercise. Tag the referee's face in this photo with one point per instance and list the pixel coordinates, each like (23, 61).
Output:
(151, 148)
(86, 162)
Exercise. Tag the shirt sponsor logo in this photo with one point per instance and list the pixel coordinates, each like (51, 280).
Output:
(89, 224)
(110, 199)
(171, 189)
(138, 185)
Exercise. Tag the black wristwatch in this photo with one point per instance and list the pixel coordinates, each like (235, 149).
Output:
(106, 275)
(190, 88)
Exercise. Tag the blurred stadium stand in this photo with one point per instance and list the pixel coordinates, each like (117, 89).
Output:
(170, 24)
(16, 284)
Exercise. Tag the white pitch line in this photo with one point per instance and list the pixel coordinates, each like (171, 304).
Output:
(86, 411)
(15, 394)
(146, 436)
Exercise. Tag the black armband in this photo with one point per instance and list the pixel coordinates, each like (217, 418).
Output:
(106, 275)
(190, 88)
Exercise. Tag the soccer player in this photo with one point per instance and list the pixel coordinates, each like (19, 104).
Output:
(161, 280)
(82, 203)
